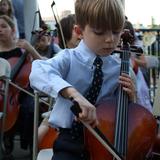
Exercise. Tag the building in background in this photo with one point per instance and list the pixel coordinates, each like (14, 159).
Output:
(65, 13)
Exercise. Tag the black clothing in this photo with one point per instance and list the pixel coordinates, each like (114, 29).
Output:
(17, 52)
(70, 144)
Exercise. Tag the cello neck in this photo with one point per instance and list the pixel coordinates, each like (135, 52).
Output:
(121, 126)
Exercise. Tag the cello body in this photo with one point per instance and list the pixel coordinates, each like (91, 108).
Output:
(128, 126)
(156, 148)
(21, 78)
(155, 152)
(141, 131)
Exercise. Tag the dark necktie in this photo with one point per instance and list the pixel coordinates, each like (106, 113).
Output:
(91, 95)
(95, 88)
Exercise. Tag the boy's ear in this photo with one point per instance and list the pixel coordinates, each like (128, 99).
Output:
(78, 30)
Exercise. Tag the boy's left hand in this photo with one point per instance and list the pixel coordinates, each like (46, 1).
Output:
(128, 85)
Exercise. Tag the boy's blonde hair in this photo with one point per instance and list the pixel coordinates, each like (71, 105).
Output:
(100, 14)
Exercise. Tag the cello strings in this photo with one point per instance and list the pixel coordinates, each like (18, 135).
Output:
(123, 108)
(119, 120)
(122, 112)
(126, 107)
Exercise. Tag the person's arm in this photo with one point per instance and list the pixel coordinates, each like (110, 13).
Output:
(42, 130)
(140, 61)
(22, 43)
(88, 113)
(48, 76)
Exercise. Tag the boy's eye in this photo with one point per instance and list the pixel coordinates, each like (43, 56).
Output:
(98, 32)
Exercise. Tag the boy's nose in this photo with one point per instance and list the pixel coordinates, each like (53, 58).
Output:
(109, 37)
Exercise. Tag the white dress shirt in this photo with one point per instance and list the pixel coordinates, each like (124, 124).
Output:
(72, 67)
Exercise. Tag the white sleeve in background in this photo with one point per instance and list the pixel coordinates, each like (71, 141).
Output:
(16, 27)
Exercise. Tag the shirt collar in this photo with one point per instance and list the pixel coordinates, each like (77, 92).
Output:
(87, 55)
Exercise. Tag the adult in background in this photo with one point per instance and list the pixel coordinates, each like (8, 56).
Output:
(71, 36)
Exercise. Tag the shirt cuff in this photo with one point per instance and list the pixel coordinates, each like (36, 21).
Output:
(54, 89)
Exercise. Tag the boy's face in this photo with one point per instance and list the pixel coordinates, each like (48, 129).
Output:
(102, 43)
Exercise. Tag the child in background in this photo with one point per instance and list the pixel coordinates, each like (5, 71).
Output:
(71, 37)
(6, 8)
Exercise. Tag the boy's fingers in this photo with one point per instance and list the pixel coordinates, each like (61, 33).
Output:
(127, 84)
(128, 90)
(125, 75)
(84, 113)
(88, 115)
(128, 79)
(94, 123)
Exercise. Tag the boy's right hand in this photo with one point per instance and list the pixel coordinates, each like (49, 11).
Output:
(88, 113)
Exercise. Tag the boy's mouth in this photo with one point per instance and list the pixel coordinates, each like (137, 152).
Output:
(107, 49)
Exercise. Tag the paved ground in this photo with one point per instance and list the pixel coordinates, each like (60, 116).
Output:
(18, 153)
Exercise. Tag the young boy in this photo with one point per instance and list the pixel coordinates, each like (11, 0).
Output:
(70, 74)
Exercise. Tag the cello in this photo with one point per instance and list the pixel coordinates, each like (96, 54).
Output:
(129, 127)
(20, 70)
(155, 152)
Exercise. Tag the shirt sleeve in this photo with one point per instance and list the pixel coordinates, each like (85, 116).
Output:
(48, 76)
(133, 77)
(56, 48)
